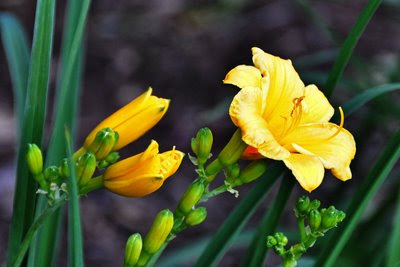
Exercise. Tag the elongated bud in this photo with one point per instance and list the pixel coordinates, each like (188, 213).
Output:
(253, 171)
(159, 231)
(133, 249)
(302, 204)
(191, 197)
(203, 143)
(104, 142)
(196, 216)
(85, 168)
(329, 217)
(52, 174)
(65, 168)
(314, 220)
(34, 159)
(233, 150)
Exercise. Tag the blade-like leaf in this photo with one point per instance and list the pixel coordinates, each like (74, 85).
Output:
(16, 48)
(393, 258)
(234, 224)
(75, 248)
(33, 123)
(359, 203)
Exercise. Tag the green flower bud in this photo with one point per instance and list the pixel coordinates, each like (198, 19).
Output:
(232, 172)
(281, 239)
(85, 168)
(64, 168)
(233, 150)
(194, 145)
(271, 241)
(196, 216)
(52, 174)
(302, 204)
(159, 231)
(204, 141)
(112, 157)
(340, 216)
(103, 164)
(253, 171)
(191, 197)
(314, 205)
(34, 159)
(314, 220)
(133, 249)
(103, 143)
(329, 218)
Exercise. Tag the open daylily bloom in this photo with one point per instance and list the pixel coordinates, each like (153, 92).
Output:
(143, 173)
(133, 120)
(282, 119)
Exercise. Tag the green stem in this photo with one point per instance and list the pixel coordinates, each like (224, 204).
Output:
(302, 229)
(215, 192)
(94, 183)
(32, 230)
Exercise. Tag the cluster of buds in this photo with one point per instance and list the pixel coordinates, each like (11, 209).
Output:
(319, 222)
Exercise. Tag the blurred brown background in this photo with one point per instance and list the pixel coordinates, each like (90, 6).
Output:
(183, 49)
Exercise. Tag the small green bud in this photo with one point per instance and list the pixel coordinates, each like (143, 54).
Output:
(281, 239)
(253, 171)
(52, 174)
(133, 249)
(233, 150)
(194, 145)
(34, 159)
(196, 216)
(204, 141)
(112, 157)
(191, 197)
(159, 231)
(85, 168)
(103, 164)
(314, 220)
(340, 216)
(302, 204)
(271, 241)
(314, 205)
(329, 217)
(232, 172)
(64, 168)
(103, 143)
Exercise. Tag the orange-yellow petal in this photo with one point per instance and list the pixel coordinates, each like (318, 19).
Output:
(243, 76)
(316, 107)
(319, 139)
(141, 187)
(246, 113)
(170, 162)
(308, 170)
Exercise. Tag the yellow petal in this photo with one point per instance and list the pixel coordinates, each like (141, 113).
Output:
(130, 164)
(284, 86)
(316, 107)
(170, 162)
(316, 139)
(141, 187)
(308, 170)
(243, 76)
(246, 113)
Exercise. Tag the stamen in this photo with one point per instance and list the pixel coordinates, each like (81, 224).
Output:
(340, 125)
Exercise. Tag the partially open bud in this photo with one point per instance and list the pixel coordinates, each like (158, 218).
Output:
(233, 150)
(191, 197)
(85, 168)
(159, 231)
(196, 216)
(52, 174)
(314, 220)
(133, 249)
(103, 143)
(253, 171)
(202, 144)
(34, 159)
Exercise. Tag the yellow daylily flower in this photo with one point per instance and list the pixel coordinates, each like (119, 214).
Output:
(282, 119)
(133, 120)
(143, 173)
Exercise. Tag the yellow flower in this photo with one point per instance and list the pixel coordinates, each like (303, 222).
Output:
(143, 173)
(282, 119)
(133, 120)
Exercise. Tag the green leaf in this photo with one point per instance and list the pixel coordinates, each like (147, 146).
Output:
(393, 258)
(234, 224)
(33, 123)
(75, 247)
(16, 48)
(257, 251)
(44, 251)
(349, 44)
(359, 203)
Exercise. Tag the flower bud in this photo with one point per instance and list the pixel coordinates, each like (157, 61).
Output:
(314, 220)
(65, 168)
(196, 216)
(271, 241)
(159, 231)
(253, 171)
(314, 205)
(232, 172)
(191, 197)
(194, 145)
(85, 168)
(52, 174)
(133, 249)
(340, 216)
(112, 157)
(103, 143)
(202, 144)
(302, 204)
(34, 159)
(281, 239)
(329, 217)
(233, 150)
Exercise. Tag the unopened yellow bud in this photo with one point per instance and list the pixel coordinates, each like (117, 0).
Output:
(133, 249)
(34, 159)
(196, 216)
(159, 231)
(191, 197)
(85, 168)
(253, 171)
(233, 150)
